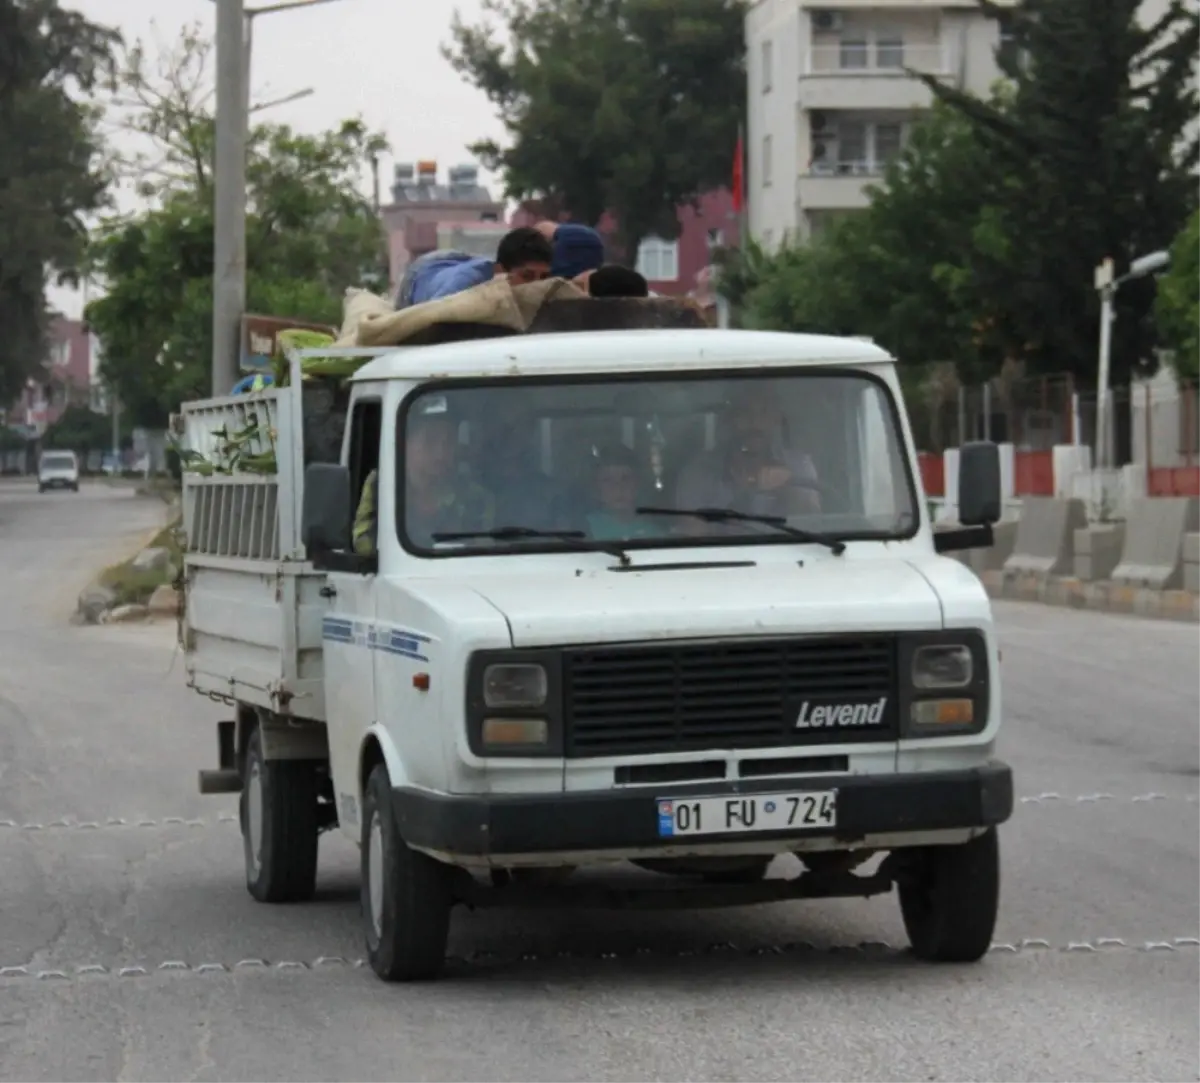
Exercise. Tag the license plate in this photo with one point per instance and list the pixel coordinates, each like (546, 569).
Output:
(752, 812)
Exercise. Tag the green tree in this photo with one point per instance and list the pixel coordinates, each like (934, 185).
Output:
(628, 106)
(1098, 159)
(1178, 306)
(907, 271)
(309, 234)
(81, 430)
(51, 172)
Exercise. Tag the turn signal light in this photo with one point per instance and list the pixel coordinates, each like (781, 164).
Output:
(943, 712)
(509, 732)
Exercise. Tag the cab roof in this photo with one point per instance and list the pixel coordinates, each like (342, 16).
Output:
(617, 352)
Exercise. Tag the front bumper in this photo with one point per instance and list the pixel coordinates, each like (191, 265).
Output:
(622, 820)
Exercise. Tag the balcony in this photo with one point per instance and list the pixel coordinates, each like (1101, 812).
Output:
(837, 186)
(872, 75)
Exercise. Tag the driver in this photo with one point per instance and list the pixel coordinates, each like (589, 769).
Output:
(754, 472)
(437, 499)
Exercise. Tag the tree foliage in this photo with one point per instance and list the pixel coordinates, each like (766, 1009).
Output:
(51, 171)
(1178, 305)
(628, 106)
(1097, 151)
(81, 430)
(309, 235)
(901, 272)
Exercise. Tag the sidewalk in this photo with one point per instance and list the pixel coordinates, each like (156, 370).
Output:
(1179, 605)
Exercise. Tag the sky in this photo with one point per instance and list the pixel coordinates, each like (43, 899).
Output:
(378, 59)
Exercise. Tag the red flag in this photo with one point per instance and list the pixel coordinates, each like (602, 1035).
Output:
(739, 182)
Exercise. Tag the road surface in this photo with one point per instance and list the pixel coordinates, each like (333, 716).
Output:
(133, 951)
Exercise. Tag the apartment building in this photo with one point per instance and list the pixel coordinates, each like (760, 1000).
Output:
(830, 103)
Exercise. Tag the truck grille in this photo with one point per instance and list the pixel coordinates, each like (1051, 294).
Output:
(730, 695)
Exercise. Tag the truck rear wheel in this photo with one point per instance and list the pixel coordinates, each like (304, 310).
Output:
(279, 826)
(949, 898)
(406, 895)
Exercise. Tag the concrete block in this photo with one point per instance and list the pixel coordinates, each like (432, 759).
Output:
(986, 560)
(1191, 548)
(1098, 550)
(1045, 541)
(1153, 552)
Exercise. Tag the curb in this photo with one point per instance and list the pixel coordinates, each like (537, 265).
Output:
(1068, 593)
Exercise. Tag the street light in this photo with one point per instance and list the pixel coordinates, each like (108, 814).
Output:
(234, 42)
(1107, 286)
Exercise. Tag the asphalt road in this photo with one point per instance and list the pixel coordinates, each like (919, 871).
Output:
(133, 951)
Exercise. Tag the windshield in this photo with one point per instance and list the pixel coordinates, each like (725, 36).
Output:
(559, 465)
(61, 461)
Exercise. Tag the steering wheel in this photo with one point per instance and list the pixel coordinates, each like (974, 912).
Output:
(832, 499)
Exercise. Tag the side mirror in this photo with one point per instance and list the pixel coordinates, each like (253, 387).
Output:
(325, 522)
(979, 502)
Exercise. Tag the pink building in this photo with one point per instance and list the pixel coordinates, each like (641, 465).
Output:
(67, 379)
(677, 267)
(422, 207)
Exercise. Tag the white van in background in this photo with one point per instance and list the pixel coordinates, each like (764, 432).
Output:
(58, 470)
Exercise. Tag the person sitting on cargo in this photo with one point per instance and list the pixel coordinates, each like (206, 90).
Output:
(613, 280)
(437, 499)
(616, 480)
(524, 255)
(578, 250)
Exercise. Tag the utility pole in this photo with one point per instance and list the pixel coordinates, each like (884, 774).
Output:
(229, 196)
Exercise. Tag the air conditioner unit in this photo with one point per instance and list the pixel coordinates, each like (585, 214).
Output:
(827, 20)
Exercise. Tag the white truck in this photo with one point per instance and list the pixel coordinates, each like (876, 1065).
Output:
(669, 597)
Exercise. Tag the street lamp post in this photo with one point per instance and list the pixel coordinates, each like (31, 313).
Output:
(1107, 286)
(234, 41)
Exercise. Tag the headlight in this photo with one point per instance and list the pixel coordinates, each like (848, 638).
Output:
(942, 666)
(507, 686)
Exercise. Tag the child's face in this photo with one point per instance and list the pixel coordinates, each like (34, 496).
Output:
(618, 488)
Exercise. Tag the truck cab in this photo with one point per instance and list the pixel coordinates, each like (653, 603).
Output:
(669, 597)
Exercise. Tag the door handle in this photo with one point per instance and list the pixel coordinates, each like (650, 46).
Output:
(328, 591)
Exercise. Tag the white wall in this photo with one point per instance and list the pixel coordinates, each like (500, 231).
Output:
(772, 112)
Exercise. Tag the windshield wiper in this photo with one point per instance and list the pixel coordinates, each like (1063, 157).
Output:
(577, 539)
(729, 515)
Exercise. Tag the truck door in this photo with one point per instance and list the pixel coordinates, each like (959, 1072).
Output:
(348, 631)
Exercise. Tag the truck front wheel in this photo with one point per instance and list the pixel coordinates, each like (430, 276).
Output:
(279, 825)
(949, 898)
(406, 895)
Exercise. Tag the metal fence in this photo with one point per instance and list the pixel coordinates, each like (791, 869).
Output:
(1031, 413)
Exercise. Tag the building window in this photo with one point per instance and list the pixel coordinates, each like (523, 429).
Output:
(658, 260)
(766, 161)
(853, 54)
(766, 66)
(889, 140)
(1008, 51)
(852, 146)
(858, 148)
(889, 51)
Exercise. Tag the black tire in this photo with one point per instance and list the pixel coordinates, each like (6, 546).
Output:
(406, 895)
(949, 898)
(283, 796)
(41, 489)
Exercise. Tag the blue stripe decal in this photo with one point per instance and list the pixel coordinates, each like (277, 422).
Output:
(376, 637)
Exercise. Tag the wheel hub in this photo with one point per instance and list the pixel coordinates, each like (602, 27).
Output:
(254, 815)
(375, 874)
